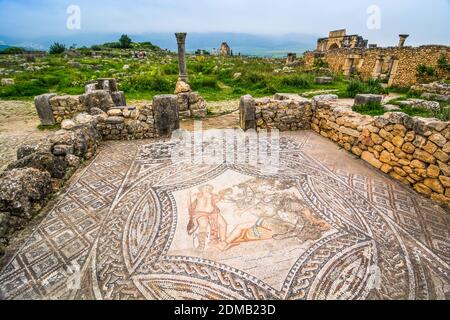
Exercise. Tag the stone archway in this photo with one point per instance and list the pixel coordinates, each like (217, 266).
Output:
(333, 46)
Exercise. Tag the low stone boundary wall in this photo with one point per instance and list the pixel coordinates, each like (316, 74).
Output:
(42, 168)
(103, 94)
(412, 150)
(283, 112)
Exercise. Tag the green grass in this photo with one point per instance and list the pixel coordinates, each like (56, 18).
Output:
(371, 109)
(216, 78)
(356, 87)
(375, 109)
(54, 127)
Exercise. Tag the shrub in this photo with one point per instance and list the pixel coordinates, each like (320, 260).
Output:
(27, 89)
(254, 78)
(371, 108)
(57, 48)
(13, 50)
(372, 86)
(425, 71)
(298, 81)
(112, 45)
(203, 82)
(442, 63)
(154, 83)
(170, 69)
(320, 63)
(125, 41)
(444, 113)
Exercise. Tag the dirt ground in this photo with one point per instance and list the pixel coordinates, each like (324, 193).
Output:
(18, 124)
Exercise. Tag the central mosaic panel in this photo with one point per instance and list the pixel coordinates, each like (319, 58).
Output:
(195, 231)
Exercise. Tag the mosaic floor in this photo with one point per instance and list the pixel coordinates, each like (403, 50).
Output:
(137, 225)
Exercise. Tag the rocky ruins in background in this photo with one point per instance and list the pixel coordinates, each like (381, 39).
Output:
(395, 65)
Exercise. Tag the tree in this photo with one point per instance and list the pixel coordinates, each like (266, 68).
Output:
(13, 50)
(57, 48)
(442, 63)
(125, 41)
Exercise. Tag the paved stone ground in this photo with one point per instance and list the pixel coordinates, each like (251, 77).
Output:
(136, 225)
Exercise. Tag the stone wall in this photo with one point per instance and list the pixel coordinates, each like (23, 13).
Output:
(103, 94)
(399, 64)
(66, 107)
(283, 112)
(127, 123)
(412, 150)
(41, 168)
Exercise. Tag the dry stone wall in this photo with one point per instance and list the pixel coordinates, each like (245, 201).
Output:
(404, 61)
(283, 112)
(41, 168)
(127, 123)
(66, 107)
(415, 151)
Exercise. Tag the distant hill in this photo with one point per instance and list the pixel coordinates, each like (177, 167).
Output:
(3, 47)
(246, 44)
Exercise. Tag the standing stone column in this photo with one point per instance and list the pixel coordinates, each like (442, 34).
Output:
(44, 109)
(402, 40)
(247, 113)
(378, 67)
(165, 112)
(181, 40)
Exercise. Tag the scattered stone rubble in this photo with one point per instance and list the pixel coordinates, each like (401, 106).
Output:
(421, 104)
(362, 99)
(7, 82)
(439, 91)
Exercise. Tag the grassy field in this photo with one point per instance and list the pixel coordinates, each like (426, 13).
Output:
(216, 78)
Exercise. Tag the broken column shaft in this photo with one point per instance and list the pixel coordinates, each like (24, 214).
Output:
(181, 40)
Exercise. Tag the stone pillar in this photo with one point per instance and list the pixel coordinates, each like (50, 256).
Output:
(181, 40)
(291, 57)
(247, 113)
(165, 111)
(44, 109)
(393, 73)
(378, 67)
(348, 65)
(403, 38)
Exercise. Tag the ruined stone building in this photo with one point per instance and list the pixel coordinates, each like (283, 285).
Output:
(225, 49)
(339, 39)
(395, 65)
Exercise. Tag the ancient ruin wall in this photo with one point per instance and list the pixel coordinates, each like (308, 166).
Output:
(405, 61)
(415, 151)
(412, 150)
(42, 167)
(284, 113)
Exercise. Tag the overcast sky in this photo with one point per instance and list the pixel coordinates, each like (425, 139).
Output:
(426, 20)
